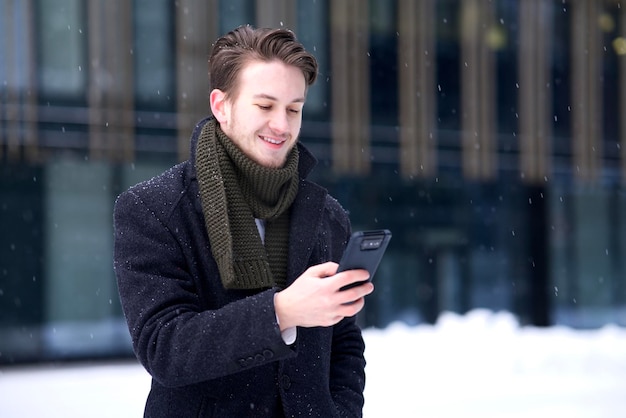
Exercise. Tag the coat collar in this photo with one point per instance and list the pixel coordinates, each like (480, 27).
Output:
(306, 219)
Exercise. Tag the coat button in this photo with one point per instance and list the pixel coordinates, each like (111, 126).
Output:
(246, 361)
(285, 381)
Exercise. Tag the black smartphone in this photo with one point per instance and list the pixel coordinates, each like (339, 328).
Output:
(365, 249)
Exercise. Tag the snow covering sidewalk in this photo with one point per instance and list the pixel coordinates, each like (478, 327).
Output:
(478, 365)
(485, 365)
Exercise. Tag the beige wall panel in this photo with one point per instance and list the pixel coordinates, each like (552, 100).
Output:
(350, 87)
(477, 91)
(535, 101)
(586, 90)
(276, 14)
(197, 24)
(111, 82)
(417, 67)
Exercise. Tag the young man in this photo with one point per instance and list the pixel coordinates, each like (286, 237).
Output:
(226, 263)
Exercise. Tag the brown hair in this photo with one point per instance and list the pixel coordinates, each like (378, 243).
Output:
(232, 51)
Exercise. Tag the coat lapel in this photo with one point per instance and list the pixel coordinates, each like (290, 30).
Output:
(306, 216)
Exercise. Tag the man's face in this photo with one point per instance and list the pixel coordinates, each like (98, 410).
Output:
(264, 118)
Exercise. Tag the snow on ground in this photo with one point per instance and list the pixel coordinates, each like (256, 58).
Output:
(478, 365)
(485, 365)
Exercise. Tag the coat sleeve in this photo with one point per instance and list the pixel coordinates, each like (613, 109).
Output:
(347, 371)
(176, 341)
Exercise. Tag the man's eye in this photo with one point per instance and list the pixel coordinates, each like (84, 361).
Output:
(264, 107)
(296, 111)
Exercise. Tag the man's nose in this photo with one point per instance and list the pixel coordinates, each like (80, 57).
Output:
(279, 122)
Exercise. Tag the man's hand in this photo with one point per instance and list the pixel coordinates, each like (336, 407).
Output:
(314, 299)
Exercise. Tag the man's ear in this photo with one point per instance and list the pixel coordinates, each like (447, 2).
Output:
(217, 100)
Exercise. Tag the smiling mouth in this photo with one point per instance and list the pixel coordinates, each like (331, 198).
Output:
(271, 140)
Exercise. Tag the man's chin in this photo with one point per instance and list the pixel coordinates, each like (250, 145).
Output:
(274, 164)
(274, 159)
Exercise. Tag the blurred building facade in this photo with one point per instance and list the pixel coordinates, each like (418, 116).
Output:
(488, 135)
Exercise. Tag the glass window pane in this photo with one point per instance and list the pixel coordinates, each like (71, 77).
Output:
(154, 54)
(62, 49)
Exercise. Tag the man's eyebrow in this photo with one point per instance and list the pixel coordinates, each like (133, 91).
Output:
(270, 97)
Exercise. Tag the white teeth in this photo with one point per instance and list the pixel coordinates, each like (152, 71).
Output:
(271, 141)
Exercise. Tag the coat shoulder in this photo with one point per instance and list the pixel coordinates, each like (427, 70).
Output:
(161, 193)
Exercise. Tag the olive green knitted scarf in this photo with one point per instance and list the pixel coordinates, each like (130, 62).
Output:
(235, 190)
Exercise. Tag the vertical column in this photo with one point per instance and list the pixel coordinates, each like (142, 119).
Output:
(121, 18)
(416, 66)
(111, 87)
(535, 101)
(618, 203)
(478, 80)
(350, 87)
(535, 136)
(7, 45)
(31, 147)
(12, 98)
(20, 101)
(621, 46)
(276, 13)
(586, 67)
(97, 76)
(197, 27)
(7, 61)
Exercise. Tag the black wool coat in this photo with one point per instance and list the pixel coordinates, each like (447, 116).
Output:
(214, 352)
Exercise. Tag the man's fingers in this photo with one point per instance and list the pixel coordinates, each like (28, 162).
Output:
(323, 270)
(351, 276)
